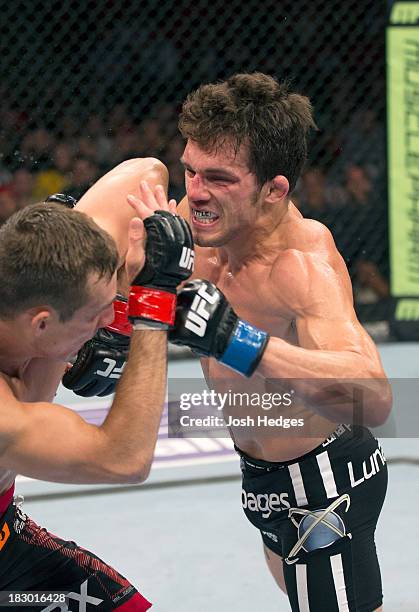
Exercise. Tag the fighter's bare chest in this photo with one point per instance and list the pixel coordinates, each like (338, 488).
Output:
(254, 298)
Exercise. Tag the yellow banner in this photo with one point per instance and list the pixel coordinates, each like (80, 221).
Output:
(405, 12)
(403, 148)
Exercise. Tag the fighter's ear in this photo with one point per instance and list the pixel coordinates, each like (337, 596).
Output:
(277, 189)
(40, 319)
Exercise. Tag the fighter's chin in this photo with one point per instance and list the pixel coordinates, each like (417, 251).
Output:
(209, 241)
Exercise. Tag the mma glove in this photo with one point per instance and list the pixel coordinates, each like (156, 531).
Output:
(206, 323)
(169, 261)
(101, 360)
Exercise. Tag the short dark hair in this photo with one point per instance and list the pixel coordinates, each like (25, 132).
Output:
(257, 110)
(47, 253)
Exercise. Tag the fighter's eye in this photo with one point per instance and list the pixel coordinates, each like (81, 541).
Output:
(219, 179)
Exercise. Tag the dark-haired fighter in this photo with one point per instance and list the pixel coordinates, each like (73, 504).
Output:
(316, 495)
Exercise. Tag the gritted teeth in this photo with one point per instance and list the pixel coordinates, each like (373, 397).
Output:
(204, 214)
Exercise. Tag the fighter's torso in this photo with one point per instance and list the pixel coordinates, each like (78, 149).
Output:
(252, 294)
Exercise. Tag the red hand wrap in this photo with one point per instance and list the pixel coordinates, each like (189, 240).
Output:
(152, 304)
(120, 324)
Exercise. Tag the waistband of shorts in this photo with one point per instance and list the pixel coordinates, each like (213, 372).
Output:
(6, 499)
(341, 435)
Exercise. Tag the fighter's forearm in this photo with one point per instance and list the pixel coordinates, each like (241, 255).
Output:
(133, 421)
(339, 385)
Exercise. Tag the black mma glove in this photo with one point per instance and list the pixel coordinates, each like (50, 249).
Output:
(169, 261)
(61, 198)
(100, 361)
(206, 323)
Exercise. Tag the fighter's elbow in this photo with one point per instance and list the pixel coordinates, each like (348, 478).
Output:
(135, 471)
(138, 470)
(157, 167)
(149, 169)
(138, 475)
(380, 406)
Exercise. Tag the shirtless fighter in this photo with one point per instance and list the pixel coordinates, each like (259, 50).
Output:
(315, 498)
(57, 287)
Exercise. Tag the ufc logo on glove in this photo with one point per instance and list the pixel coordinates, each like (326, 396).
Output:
(207, 324)
(112, 370)
(187, 259)
(198, 316)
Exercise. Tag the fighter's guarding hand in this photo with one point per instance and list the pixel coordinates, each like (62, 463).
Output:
(169, 258)
(100, 361)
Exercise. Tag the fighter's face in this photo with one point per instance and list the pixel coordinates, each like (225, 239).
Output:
(63, 340)
(222, 193)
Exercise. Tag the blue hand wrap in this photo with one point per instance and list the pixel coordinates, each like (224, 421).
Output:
(245, 348)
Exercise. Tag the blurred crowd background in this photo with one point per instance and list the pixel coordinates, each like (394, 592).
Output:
(86, 85)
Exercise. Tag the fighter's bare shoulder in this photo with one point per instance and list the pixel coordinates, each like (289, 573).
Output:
(311, 267)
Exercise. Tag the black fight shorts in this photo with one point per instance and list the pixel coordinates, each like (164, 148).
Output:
(32, 559)
(319, 513)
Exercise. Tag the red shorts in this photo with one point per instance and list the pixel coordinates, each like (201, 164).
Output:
(32, 559)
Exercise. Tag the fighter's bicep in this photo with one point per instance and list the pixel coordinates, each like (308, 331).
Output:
(326, 334)
(50, 442)
(325, 317)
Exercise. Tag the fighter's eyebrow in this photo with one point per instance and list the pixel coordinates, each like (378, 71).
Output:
(222, 171)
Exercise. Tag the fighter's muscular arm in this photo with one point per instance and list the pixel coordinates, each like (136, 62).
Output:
(332, 344)
(106, 200)
(50, 442)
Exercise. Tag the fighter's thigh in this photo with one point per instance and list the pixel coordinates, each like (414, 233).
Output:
(276, 567)
(32, 559)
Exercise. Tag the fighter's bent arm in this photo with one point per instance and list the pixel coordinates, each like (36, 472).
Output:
(106, 200)
(335, 358)
(50, 442)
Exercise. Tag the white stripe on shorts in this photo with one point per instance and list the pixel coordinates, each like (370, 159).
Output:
(327, 474)
(339, 580)
(302, 592)
(297, 483)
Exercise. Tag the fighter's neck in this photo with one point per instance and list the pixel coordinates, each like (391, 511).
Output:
(263, 242)
(12, 366)
(14, 359)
